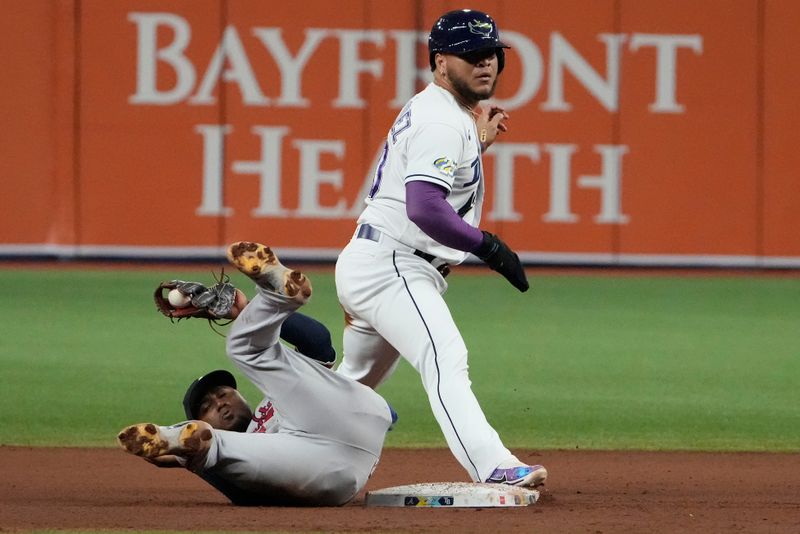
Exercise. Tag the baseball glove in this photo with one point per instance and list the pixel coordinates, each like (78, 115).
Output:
(211, 303)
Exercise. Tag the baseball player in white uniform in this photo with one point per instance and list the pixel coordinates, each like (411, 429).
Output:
(423, 214)
(315, 437)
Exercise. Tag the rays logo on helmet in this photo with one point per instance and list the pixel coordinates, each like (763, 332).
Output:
(481, 28)
(446, 166)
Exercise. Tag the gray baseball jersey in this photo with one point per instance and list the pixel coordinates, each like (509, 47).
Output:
(316, 436)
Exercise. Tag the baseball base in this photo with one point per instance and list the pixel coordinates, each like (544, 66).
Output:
(453, 495)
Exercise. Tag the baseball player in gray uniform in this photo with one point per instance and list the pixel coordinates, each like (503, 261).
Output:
(422, 215)
(315, 437)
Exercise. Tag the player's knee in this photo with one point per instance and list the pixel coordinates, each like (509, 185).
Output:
(310, 337)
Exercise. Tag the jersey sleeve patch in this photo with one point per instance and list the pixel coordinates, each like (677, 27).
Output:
(446, 166)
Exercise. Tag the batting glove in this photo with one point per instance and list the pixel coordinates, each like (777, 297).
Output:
(497, 255)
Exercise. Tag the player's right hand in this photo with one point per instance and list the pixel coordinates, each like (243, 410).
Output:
(499, 115)
(490, 121)
(502, 259)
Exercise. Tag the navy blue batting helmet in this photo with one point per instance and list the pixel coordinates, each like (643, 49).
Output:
(462, 31)
(201, 386)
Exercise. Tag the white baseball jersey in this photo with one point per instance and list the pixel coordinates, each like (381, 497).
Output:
(393, 296)
(433, 139)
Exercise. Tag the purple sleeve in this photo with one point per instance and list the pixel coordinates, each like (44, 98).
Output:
(427, 208)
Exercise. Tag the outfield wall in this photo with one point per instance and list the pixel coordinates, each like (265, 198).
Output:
(653, 132)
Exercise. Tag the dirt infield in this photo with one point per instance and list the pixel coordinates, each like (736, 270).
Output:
(68, 488)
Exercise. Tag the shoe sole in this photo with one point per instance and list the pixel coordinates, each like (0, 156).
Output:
(535, 478)
(261, 265)
(148, 441)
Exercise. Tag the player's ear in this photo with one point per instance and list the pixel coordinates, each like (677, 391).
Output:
(441, 64)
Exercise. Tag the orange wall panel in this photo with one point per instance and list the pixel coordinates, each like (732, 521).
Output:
(141, 157)
(691, 175)
(781, 190)
(35, 112)
(556, 125)
(660, 129)
(317, 131)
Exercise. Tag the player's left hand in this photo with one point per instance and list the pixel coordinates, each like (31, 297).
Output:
(502, 259)
(490, 122)
(220, 301)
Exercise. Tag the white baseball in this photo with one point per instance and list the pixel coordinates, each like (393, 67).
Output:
(178, 299)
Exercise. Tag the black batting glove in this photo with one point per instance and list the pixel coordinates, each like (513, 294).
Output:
(497, 255)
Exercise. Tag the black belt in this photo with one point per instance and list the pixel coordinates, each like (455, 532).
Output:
(425, 256)
(365, 231)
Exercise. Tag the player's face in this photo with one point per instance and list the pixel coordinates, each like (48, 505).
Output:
(473, 75)
(224, 408)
